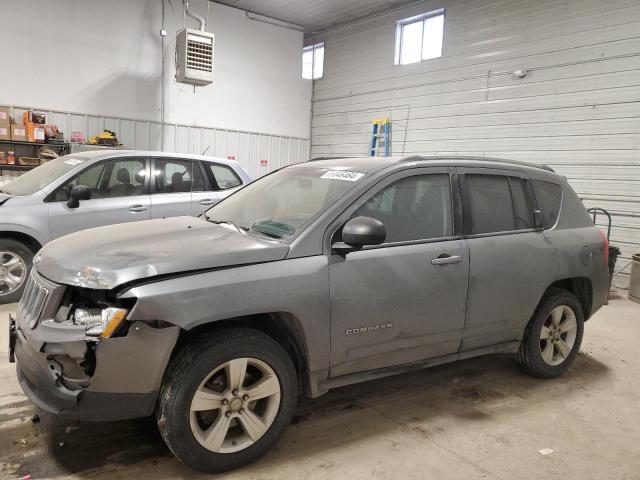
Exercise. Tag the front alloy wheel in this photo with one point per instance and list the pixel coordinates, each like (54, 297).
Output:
(13, 272)
(235, 405)
(15, 264)
(226, 399)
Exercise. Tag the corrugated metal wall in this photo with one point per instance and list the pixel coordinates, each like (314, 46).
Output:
(578, 109)
(248, 148)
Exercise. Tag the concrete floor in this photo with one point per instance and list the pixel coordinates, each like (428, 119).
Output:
(475, 419)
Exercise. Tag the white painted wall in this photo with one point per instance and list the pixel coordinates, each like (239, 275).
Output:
(578, 110)
(104, 57)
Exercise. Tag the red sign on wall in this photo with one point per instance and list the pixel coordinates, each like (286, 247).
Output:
(264, 163)
(231, 157)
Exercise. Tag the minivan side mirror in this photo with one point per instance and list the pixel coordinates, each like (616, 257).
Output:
(77, 193)
(359, 232)
(538, 220)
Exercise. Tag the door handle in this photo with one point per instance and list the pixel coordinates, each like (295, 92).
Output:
(137, 208)
(445, 259)
(207, 201)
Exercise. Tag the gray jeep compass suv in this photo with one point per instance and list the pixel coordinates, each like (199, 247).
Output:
(319, 275)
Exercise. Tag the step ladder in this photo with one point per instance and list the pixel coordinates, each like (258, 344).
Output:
(381, 138)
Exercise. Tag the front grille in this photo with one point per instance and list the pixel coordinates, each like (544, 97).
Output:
(34, 299)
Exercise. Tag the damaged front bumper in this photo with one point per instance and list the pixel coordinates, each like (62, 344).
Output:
(123, 382)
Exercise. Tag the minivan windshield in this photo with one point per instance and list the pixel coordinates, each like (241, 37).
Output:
(38, 178)
(281, 204)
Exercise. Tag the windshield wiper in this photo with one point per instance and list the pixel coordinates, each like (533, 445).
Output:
(273, 229)
(239, 228)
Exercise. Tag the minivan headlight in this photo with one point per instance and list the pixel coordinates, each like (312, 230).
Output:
(99, 322)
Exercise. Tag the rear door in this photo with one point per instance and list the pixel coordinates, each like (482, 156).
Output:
(511, 263)
(220, 182)
(173, 181)
(119, 194)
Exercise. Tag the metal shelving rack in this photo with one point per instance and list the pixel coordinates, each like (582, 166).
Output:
(64, 148)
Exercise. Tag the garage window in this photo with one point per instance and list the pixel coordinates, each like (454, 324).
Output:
(313, 61)
(419, 38)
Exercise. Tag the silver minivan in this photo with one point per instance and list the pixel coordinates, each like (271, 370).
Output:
(92, 189)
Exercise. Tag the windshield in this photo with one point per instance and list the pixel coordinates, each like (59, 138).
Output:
(281, 204)
(38, 178)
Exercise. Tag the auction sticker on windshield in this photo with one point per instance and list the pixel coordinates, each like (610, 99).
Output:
(342, 175)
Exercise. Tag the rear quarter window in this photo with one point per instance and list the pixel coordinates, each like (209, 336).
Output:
(549, 197)
(224, 176)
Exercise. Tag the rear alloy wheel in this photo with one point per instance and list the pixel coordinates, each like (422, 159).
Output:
(558, 335)
(553, 336)
(15, 264)
(226, 399)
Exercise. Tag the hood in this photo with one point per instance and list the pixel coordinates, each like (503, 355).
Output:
(106, 257)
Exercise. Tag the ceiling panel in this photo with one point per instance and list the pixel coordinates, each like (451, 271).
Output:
(315, 15)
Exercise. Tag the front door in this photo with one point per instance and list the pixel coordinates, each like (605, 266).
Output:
(221, 181)
(402, 301)
(118, 195)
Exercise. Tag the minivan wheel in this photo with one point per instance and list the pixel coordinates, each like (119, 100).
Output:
(553, 336)
(227, 399)
(15, 264)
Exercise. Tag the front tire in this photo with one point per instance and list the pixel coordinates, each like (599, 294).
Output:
(227, 399)
(553, 336)
(15, 264)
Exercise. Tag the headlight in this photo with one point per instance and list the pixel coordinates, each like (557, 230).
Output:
(99, 322)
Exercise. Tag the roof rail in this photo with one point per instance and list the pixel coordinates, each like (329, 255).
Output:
(415, 158)
(317, 159)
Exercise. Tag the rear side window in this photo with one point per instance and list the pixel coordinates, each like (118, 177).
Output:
(497, 204)
(549, 196)
(174, 175)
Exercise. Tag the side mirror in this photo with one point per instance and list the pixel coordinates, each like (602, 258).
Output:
(77, 193)
(538, 220)
(358, 232)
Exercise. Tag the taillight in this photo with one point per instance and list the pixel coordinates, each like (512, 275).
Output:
(605, 248)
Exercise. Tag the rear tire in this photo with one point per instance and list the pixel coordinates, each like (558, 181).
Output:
(553, 336)
(239, 382)
(16, 260)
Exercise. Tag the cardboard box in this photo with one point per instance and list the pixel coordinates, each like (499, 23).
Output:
(4, 115)
(33, 117)
(5, 131)
(29, 161)
(35, 133)
(18, 132)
